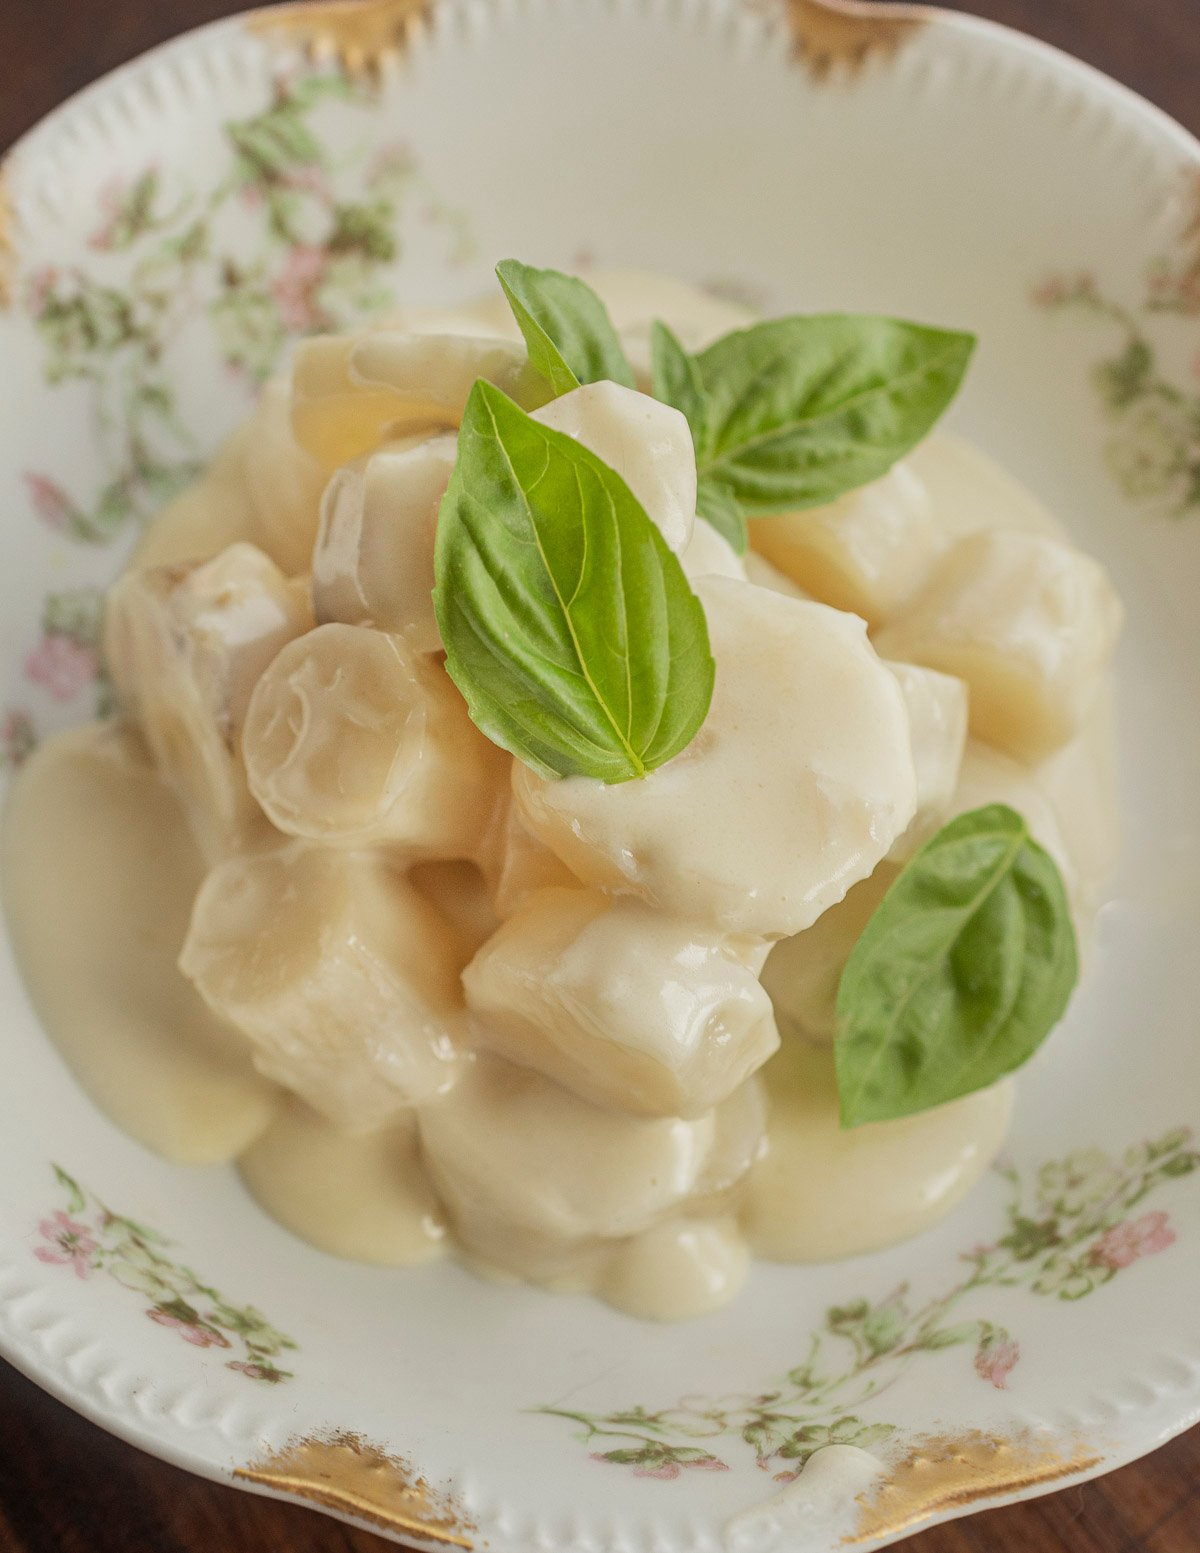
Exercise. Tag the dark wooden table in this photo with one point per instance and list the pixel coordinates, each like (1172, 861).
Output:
(66, 1487)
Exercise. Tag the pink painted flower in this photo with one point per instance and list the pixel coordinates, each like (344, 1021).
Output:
(309, 178)
(50, 501)
(295, 288)
(194, 1332)
(707, 1464)
(995, 1361)
(665, 1470)
(40, 288)
(1054, 290)
(1049, 292)
(1122, 1245)
(111, 200)
(785, 1477)
(255, 1371)
(62, 665)
(72, 1244)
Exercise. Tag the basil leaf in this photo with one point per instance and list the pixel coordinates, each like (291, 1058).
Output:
(568, 625)
(569, 334)
(718, 506)
(675, 380)
(801, 410)
(963, 970)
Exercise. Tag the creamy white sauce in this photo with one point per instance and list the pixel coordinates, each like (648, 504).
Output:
(365, 1198)
(821, 1192)
(830, 1480)
(677, 1270)
(548, 1176)
(100, 872)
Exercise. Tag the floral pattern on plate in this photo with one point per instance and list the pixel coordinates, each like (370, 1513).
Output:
(88, 1237)
(1153, 446)
(1072, 1230)
(290, 241)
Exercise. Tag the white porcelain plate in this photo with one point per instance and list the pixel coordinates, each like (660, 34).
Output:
(164, 234)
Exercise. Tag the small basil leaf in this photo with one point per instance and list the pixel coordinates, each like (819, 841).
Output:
(568, 333)
(959, 976)
(718, 506)
(675, 380)
(803, 409)
(568, 625)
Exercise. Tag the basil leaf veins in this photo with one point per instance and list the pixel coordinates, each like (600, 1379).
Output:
(569, 626)
(959, 976)
(567, 330)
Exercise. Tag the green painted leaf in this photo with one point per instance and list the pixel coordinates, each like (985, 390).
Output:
(803, 409)
(567, 330)
(872, 1434)
(76, 1200)
(963, 970)
(947, 1337)
(568, 625)
(884, 1328)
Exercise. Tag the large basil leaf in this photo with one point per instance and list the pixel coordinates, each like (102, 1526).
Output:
(802, 409)
(567, 330)
(568, 625)
(963, 970)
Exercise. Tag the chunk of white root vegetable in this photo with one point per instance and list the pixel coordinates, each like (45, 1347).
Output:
(343, 978)
(1029, 623)
(625, 1005)
(540, 1183)
(186, 646)
(794, 789)
(352, 392)
(868, 552)
(355, 740)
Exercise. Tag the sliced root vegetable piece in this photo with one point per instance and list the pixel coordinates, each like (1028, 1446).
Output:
(342, 977)
(869, 551)
(796, 786)
(1029, 622)
(186, 646)
(355, 740)
(625, 1005)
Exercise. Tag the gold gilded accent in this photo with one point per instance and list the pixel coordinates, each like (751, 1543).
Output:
(950, 1472)
(361, 36)
(346, 1473)
(8, 245)
(827, 34)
